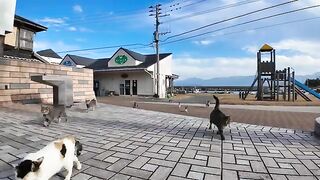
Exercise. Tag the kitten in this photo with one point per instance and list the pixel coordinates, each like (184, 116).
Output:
(208, 103)
(91, 104)
(50, 160)
(135, 105)
(186, 109)
(219, 119)
(50, 113)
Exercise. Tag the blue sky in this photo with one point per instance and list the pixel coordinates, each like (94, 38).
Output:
(75, 24)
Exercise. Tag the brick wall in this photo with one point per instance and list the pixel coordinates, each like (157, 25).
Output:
(16, 84)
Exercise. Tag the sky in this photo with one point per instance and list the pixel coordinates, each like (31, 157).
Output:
(230, 51)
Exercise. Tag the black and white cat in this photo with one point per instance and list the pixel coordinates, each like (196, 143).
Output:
(50, 160)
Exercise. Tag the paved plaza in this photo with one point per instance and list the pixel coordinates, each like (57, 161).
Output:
(127, 143)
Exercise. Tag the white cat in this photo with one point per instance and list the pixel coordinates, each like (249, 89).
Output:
(50, 160)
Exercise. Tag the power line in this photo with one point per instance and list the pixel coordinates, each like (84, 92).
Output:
(251, 21)
(213, 10)
(104, 47)
(229, 19)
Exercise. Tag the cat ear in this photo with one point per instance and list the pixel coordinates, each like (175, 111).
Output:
(36, 164)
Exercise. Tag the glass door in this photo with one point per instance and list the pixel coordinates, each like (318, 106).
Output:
(121, 89)
(134, 87)
(127, 87)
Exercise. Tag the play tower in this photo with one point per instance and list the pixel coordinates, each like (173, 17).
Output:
(275, 84)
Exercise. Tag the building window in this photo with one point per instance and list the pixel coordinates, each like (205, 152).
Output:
(26, 39)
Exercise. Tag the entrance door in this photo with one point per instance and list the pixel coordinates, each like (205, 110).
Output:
(121, 89)
(127, 87)
(134, 87)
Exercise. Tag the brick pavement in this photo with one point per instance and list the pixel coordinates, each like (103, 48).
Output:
(127, 143)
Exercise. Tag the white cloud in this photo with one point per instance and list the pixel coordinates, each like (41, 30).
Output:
(203, 42)
(53, 21)
(72, 28)
(55, 45)
(77, 8)
(301, 55)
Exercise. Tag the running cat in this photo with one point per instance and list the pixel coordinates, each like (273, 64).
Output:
(50, 160)
(219, 119)
(50, 113)
(91, 104)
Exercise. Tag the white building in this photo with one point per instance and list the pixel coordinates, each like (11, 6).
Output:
(131, 73)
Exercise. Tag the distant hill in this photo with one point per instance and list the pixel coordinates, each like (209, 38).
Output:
(232, 80)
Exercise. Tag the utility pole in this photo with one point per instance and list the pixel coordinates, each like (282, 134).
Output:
(156, 11)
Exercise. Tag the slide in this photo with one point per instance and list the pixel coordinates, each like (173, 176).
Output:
(306, 88)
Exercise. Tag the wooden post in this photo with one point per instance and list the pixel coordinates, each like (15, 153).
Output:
(260, 85)
(1, 45)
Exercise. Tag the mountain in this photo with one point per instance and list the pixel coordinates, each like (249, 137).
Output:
(232, 80)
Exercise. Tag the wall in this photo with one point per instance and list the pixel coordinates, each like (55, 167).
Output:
(130, 61)
(111, 82)
(11, 38)
(16, 85)
(165, 69)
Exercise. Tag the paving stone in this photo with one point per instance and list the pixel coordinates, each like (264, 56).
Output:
(181, 170)
(119, 165)
(100, 173)
(230, 175)
(161, 173)
(81, 176)
(195, 175)
(120, 177)
(139, 162)
(150, 167)
(136, 172)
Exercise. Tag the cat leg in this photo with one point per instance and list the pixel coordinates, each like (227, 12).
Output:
(68, 167)
(210, 126)
(221, 134)
(78, 164)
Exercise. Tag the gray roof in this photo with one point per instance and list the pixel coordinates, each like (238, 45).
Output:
(100, 64)
(21, 21)
(79, 60)
(49, 53)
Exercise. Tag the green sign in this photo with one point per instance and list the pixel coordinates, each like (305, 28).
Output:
(121, 59)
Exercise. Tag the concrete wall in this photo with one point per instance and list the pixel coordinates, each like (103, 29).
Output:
(16, 85)
(112, 81)
(130, 61)
(165, 69)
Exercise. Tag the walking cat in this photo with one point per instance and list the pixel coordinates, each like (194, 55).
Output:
(218, 118)
(91, 104)
(50, 113)
(50, 160)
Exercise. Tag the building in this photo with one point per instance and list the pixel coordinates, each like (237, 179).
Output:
(19, 42)
(128, 73)
(19, 62)
(50, 56)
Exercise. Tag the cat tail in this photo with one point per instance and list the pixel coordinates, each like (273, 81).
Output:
(217, 102)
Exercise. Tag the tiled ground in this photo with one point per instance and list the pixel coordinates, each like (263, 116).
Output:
(126, 143)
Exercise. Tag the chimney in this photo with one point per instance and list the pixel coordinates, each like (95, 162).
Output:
(1, 45)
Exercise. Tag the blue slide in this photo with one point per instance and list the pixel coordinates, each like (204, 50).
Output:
(306, 88)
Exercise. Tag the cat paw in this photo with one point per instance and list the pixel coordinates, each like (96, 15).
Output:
(79, 166)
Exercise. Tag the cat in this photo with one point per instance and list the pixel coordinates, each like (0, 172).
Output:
(218, 118)
(50, 160)
(186, 109)
(208, 103)
(50, 113)
(91, 104)
(135, 105)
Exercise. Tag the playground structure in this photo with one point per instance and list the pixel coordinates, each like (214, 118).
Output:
(275, 84)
